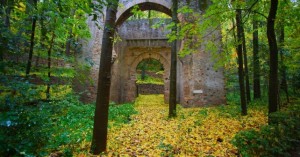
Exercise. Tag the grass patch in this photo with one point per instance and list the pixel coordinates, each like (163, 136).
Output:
(63, 126)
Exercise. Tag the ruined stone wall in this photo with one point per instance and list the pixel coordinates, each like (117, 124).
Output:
(150, 89)
(198, 82)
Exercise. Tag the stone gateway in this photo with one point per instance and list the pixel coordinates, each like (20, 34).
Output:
(198, 83)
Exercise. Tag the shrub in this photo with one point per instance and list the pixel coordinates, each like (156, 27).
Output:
(62, 126)
(272, 140)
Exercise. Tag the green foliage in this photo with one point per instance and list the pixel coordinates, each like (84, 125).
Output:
(153, 67)
(149, 80)
(62, 126)
(148, 14)
(167, 149)
(272, 140)
(18, 91)
(150, 65)
(120, 114)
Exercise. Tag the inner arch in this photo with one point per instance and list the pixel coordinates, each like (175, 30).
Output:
(143, 6)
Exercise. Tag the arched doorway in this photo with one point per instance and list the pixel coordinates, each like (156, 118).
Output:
(139, 41)
(149, 75)
(165, 76)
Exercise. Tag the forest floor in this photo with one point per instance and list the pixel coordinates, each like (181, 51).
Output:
(194, 132)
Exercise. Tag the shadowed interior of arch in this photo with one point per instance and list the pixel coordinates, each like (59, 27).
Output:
(150, 77)
(150, 71)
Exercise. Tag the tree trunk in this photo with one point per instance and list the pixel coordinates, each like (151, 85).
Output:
(143, 75)
(273, 80)
(99, 140)
(33, 26)
(248, 96)
(8, 5)
(68, 43)
(256, 62)
(203, 4)
(283, 84)
(173, 70)
(240, 60)
(42, 39)
(49, 66)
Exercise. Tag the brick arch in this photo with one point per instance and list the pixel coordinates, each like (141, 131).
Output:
(142, 57)
(124, 12)
(152, 55)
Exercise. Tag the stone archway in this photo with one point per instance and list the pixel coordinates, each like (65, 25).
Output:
(198, 82)
(124, 12)
(163, 61)
(124, 76)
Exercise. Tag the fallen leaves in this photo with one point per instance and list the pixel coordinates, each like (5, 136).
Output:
(194, 132)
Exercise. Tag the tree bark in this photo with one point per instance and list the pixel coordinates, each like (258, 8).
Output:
(203, 4)
(99, 140)
(283, 83)
(49, 66)
(256, 62)
(248, 96)
(273, 78)
(240, 61)
(8, 5)
(42, 38)
(33, 26)
(173, 70)
(68, 43)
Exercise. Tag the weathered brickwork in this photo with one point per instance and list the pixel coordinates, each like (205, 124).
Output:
(198, 82)
(150, 89)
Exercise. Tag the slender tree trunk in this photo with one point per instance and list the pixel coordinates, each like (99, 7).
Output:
(240, 60)
(42, 39)
(203, 4)
(283, 83)
(99, 140)
(8, 9)
(33, 26)
(143, 75)
(256, 62)
(68, 43)
(273, 80)
(173, 70)
(149, 18)
(248, 96)
(2, 49)
(8, 5)
(49, 66)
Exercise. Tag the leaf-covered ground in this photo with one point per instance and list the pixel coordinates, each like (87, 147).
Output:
(194, 132)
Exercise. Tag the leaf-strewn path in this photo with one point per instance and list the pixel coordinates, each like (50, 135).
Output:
(195, 131)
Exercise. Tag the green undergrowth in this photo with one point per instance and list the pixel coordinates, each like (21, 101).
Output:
(149, 80)
(18, 69)
(18, 90)
(276, 139)
(63, 126)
